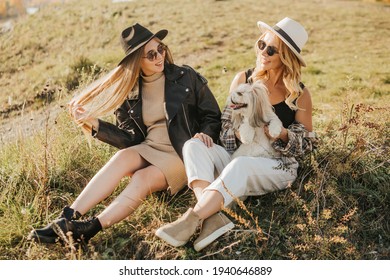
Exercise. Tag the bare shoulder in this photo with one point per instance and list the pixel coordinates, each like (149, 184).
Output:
(238, 79)
(304, 101)
(304, 113)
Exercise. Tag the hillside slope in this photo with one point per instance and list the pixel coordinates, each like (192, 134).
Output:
(337, 208)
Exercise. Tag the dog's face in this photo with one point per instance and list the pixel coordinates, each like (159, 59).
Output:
(251, 101)
(241, 97)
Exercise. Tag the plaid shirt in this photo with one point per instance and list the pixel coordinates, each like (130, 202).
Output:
(300, 141)
(227, 137)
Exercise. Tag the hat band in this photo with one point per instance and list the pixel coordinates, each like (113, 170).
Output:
(288, 38)
(138, 42)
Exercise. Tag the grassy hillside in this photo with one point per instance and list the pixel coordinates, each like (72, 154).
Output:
(338, 207)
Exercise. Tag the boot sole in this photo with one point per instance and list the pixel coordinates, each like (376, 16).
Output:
(43, 239)
(169, 239)
(209, 239)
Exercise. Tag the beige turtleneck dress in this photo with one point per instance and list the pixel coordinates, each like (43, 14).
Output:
(157, 148)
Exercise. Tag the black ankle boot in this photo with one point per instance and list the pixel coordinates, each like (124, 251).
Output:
(69, 214)
(82, 231)
(47, 234)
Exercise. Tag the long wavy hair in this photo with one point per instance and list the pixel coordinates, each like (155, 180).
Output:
(105, 95)
(291, 72)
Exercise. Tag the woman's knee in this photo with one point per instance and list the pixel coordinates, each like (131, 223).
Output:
(124, 153)
(193, 145)
(127, 159)
(150, 179)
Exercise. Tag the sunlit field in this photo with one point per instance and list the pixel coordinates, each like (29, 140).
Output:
(338, 207)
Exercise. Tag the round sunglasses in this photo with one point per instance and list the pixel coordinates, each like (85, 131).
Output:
(152, 54)
(271, 50)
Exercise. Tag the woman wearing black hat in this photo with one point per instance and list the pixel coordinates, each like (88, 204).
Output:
(158, 107)
(278, 66)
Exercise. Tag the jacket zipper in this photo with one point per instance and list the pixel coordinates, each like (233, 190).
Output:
(185, 117)
(133, 118)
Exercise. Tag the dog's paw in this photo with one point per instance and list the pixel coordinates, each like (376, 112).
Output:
(275, 128)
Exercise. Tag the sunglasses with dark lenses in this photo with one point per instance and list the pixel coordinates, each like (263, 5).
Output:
(152, 54)
(271, 50)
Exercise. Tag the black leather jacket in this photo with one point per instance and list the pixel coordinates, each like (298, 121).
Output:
(190, 108)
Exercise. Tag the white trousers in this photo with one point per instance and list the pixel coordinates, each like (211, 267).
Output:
(238, 178)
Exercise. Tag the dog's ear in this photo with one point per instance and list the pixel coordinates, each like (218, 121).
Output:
(262, 109)
(236, 120)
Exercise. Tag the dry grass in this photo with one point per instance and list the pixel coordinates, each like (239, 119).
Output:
(337, 209)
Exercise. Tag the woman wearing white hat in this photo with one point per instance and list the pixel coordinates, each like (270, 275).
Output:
(278, 66)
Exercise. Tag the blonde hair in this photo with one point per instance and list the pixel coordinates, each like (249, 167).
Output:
(291, 73)
(108, 93)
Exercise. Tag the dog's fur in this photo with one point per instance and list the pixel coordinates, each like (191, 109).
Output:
(251, 111)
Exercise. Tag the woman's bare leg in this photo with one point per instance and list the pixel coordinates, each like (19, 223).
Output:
(124, 163)
(210, 203)
(144, 182)
(198, 186)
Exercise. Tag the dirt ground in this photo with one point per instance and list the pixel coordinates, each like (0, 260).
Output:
(26, 123)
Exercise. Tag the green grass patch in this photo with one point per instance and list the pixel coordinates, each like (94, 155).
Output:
(336, 209)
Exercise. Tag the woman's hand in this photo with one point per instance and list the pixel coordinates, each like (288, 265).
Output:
(79, 114)
(283, 134)
(207, 140)
(77, 111)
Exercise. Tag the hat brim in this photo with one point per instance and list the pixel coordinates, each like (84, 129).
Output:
(160, 35)
(265, 27)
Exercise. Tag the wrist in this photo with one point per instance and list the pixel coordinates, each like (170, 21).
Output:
(95, 123)
(92, 123)
(283, 135)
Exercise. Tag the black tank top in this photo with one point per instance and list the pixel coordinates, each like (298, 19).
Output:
(282, 110)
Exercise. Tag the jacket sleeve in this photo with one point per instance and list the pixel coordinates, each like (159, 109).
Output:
(209, 113)
(111, 134)
(227, 136)
(300, 141)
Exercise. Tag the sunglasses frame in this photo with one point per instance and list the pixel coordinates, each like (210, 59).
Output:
(152, 54)
(271, 50)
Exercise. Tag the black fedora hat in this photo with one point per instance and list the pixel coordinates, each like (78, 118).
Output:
(136, 36)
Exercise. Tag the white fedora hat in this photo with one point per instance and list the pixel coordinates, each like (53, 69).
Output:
(292, 33)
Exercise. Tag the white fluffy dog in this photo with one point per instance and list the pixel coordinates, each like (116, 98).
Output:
(251, 111)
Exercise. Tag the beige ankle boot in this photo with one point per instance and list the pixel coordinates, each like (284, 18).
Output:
(212, 228)
(179, 232)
